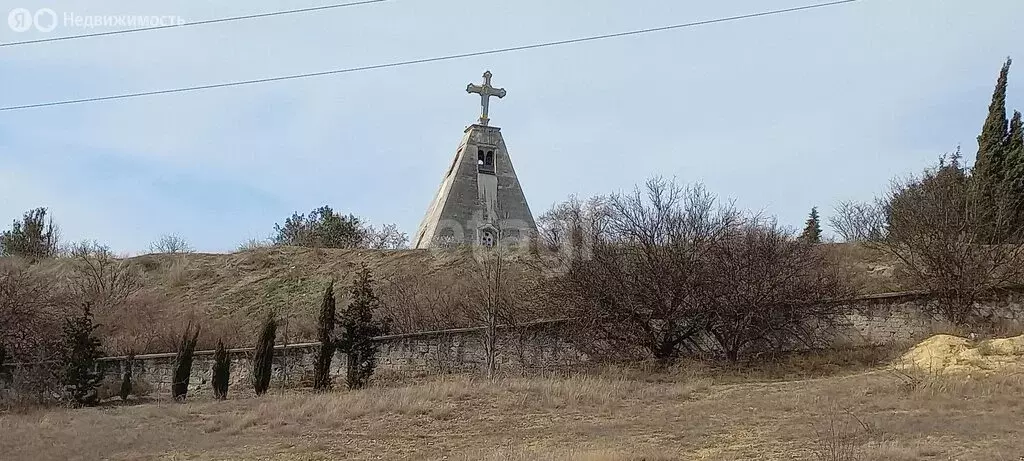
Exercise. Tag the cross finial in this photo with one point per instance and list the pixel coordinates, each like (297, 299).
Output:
(485, 91)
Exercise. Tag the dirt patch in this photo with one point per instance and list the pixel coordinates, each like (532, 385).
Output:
(947, 354)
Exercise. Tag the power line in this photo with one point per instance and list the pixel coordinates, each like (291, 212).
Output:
(426, 60)
(189, 24)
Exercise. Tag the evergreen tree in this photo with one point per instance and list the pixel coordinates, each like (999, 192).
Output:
(1013, 181)
(989, 165)
(812, 229)
(263, 359)
(34, 237)
(80, 350)
(183, 363)
(358, 328)
(325, 333)
(221, 371)
(126, 376)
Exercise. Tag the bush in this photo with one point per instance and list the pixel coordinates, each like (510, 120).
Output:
(171, 244)
(263, 359)
(221, 372)
(183, 363)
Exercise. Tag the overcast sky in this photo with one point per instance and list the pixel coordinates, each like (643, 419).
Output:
(780, 113)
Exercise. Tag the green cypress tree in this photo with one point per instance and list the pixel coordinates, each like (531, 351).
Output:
(358, 330)
(126, 376)
(263, 359)
(322, 374)
(989, 165)
(1013, 181)
(81, 373)
(183, 363)
(812, 228)
(221, 371)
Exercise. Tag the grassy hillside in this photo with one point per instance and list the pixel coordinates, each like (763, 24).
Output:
(290, 278)
(230, 293)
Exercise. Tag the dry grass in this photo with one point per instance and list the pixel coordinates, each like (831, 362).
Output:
(616, 415)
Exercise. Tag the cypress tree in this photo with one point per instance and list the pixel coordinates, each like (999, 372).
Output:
(358, 330)
(263, 359)
(812, 228)
(325, 333)
(183, 363)
(221, 371)
(81, 374)
(126, 377)
(989, 165)
(1013, 181)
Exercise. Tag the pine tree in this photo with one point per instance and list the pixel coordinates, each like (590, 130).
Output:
(358, 330)
(221, 372)
(263, 360)
(812, 229)
(81, 374)
(183, 363)
(989, 165)
(322, 375)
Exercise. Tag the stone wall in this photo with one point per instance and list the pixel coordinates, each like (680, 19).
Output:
(872, 320)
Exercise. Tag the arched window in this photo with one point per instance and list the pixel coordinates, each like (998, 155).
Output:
(489, 159)
(480, 157)
(487, 238)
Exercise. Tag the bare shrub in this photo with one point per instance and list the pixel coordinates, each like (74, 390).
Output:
(571, 226)
(643, 289)
(418, 301)
(32, 306)
(386, 237)
(939, 230)
(839, 436)
(99, 277)
(170, 243)
(771, 290)
(859, 221)
(254, 244)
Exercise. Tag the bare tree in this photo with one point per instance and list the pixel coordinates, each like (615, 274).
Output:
(571, 226)
(644, 287)
(387, 237)
(943, 235)
(170, 243)
(100, 277)
(859, 221)
(772, 290)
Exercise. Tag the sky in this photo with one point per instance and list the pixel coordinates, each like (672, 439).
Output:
(778, 113)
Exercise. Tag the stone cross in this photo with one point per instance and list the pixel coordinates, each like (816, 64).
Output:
(485, 91)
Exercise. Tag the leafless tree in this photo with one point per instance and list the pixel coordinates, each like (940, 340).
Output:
(859, 221)
(772, 290)
(100, 277)
(644, 287)
(942, 234)
(170, 243)
(570, 227)
(387, 237)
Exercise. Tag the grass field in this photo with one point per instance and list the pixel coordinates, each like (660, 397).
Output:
(872, 414)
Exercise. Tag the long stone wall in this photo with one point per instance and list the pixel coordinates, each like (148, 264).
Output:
(871, 320)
